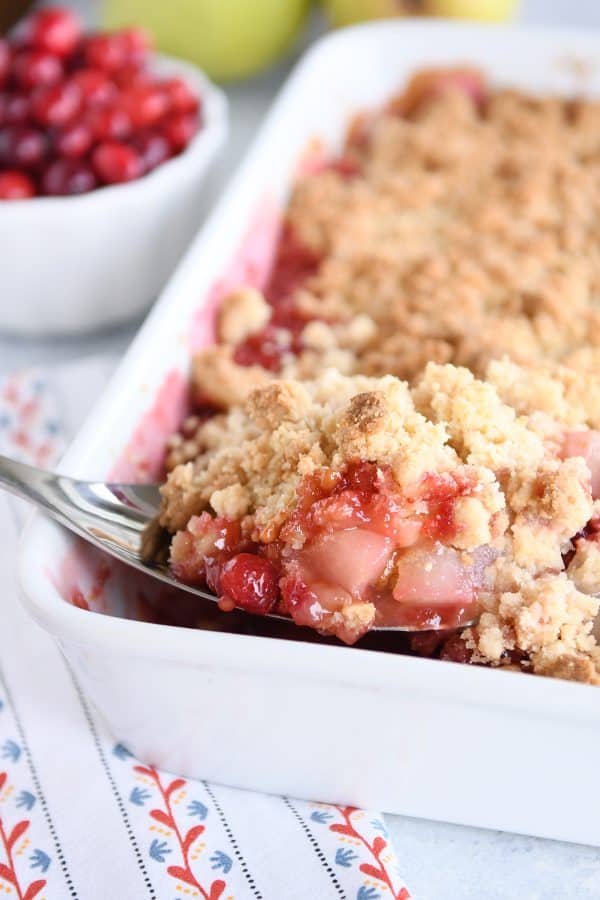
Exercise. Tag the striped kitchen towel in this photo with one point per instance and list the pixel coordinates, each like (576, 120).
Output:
(79, 816)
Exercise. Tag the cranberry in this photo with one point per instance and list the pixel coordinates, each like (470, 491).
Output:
(132, 76)
(15, 186)
(261, 349)
(441, 493)
(137, 44)
(14, 109)
(65, 176)
(426, 643)
(56, 104)
(179, 130)
(74, 140)
(182, 98)
(145, 104)
(54, 29)
(154, 149)
(115, 162)
(251, 582)
(34, 67)
(4, 61)
(105, 51)
(110, 123)
(95, 86)
(22, 146)
(456, 650)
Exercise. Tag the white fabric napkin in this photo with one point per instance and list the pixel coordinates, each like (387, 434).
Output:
(79, 816)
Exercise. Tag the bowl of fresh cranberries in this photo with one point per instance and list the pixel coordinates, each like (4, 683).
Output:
(104, 147)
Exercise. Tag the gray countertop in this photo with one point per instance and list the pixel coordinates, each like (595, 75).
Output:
(439, 861)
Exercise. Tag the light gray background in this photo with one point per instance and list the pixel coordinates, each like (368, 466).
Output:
(439, 861)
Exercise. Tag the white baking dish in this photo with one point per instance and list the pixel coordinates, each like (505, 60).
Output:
(76, 264)
(413, 736)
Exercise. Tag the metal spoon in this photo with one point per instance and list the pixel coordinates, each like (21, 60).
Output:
(113, 517)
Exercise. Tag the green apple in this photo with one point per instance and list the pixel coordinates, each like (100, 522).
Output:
(483, 10)
(228, 38)
(348, 12)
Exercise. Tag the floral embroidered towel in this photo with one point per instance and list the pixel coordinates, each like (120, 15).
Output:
(79, 816)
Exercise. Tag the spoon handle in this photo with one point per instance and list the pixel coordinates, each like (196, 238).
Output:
(27, 482)
(101, 512)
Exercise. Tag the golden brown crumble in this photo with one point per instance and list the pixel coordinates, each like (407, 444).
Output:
(461, 249)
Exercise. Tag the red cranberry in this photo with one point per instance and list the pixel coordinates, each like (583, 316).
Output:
(15, 186)
(132, 76)
(56, 104)
(181, 96)
(115, 162)
(251, 582)
(456, 650)
(179, 130)
(105, 51)
(95, 86)
(154, 149)
(22, 146)
(35, 67)
(261, 348)
(110, 123)
(425, 643)
(137, 44)
(145, 104)
(4, 61)
(65, 177)
(54, 29)
(74, 140)
(14, 109)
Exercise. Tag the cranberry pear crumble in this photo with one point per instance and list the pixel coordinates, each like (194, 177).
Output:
(403, 428)
(348, 502)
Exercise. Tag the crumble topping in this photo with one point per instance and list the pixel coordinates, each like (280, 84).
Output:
(461, 250)
(289, 429)
(242, 313)
(217, 379)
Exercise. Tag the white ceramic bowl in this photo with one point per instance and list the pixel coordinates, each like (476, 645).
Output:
(415, 736)
(76, 264)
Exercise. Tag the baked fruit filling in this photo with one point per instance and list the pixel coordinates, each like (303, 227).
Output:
(351, 503)
(354, 553)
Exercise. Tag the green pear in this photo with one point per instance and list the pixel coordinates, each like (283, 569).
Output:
(229, 39)
(348, 12)
(482, 10)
